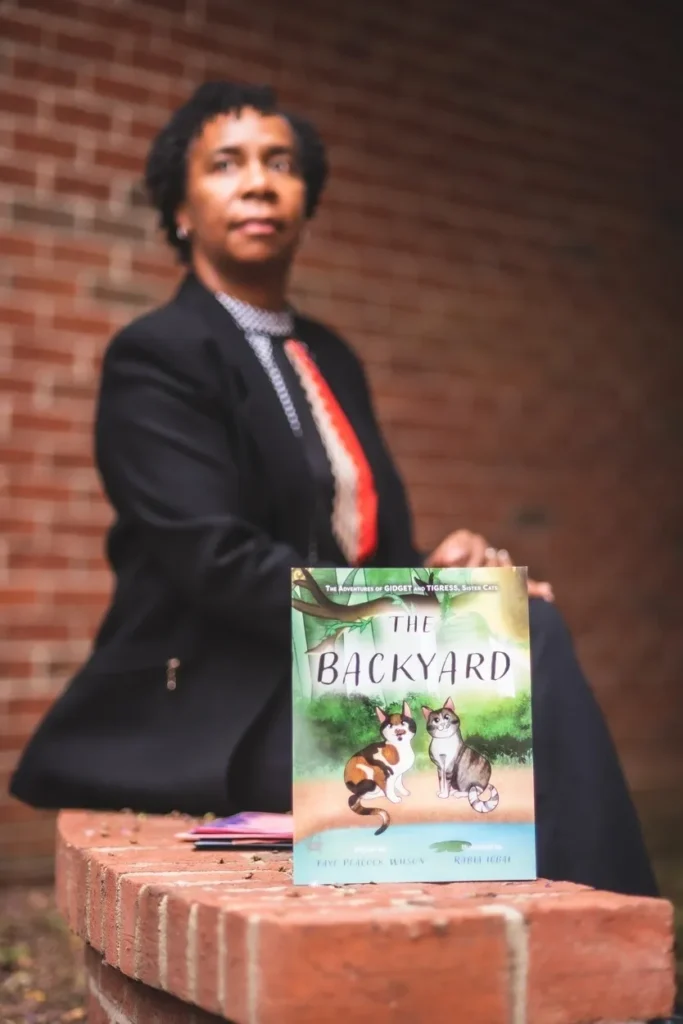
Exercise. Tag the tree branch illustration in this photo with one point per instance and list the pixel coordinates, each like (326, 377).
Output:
(323, 607)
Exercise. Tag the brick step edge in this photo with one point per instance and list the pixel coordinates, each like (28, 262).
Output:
(232, 935)
(114, 998)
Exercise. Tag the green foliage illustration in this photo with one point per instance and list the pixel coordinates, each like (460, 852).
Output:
(333, 727)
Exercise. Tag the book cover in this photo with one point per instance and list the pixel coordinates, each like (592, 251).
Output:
(412, 725)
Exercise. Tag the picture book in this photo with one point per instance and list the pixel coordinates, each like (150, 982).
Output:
(412, 732)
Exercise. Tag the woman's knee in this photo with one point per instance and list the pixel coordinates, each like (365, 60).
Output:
(559, 684)
(546, 625)
(544, 615)
(556, 672)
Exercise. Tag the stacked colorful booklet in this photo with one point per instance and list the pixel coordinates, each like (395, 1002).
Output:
(250, 830)
(412, 725)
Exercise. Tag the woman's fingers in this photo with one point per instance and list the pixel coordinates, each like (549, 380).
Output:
(535, 588)
(461, 548)
(542, 590)
(465, 548)
(477, 553)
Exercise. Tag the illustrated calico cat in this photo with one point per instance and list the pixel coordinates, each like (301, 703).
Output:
(378, 769)
(462, 770)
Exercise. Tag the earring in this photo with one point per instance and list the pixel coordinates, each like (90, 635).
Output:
(181, 233)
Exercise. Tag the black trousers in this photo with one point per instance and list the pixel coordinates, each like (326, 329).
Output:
(587, 828)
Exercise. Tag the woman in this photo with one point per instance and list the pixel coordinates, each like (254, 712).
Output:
(235, 439)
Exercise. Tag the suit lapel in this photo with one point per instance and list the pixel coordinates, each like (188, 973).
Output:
(282, 454)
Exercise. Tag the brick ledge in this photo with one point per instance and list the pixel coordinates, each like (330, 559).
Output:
(229, 933)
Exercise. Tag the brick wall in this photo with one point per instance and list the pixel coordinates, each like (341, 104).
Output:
(223, 932)
(502, 240)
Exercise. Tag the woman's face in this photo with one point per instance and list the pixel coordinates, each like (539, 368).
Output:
(245, 196)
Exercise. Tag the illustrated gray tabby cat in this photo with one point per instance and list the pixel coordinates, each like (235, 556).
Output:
(462, 771)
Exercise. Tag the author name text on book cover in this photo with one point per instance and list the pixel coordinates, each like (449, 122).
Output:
(412, 725)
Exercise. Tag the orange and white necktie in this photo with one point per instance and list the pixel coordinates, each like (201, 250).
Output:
(354, 513)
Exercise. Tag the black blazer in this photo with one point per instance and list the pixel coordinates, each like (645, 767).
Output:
(214, 505)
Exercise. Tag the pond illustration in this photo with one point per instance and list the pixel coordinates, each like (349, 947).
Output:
(435, 852)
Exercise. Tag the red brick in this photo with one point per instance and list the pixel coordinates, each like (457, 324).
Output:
(118, 161)
(31, 70)
(71, 529)
(42, 215)
(80, 185)
(168, 64)
(67, 8)
(86, 48)
(17, 526)
(30, 348)
(18, 103)
(16, 596)
(16, 456)
(130, 26)
(176, 6)
(18, 560)
(165, 270)
(115, 89)
(202, 42)
(81, 253)
(14, 670)
(67, 113)
(41, 422)
(26, 705)
(620, 949)
(75, 599)
(12, 174)
(230, 15)
(96, 1012)
(174, 978)
(17, 31)
(144, 130)
(415, 947)
(131, 891)
(44, 145)
(16, 245)
(76, 324)
(44, 285)
(113, 986)
(13, 316)
(16, 386)
(119, 229)
(148, 923)
(72, 460)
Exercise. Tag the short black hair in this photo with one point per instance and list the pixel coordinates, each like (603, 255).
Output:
(165, 171)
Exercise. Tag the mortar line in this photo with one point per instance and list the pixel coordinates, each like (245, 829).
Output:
(222, 953)
(191, 952)
(518, 957)
(137, 937)
(253, 972)
(163, 946)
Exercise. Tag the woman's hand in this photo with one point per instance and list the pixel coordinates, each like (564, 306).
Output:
(464, 548)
